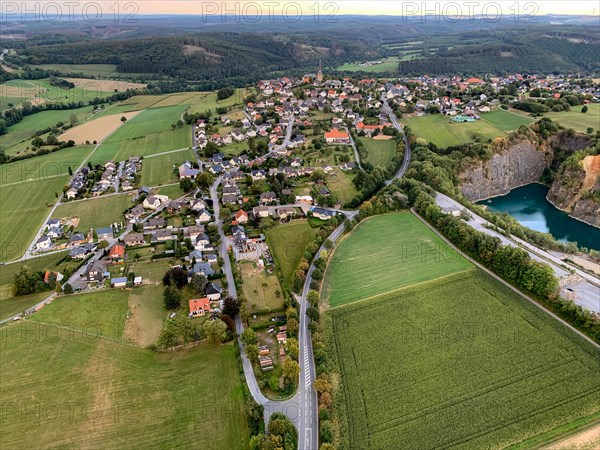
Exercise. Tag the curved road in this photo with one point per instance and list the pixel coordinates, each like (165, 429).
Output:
(302, 408)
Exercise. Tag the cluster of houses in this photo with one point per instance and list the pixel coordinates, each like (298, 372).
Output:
(243, 133)
(58, 236)
(122, 175)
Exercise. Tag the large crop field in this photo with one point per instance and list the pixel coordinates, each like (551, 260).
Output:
(443, 132)
(95, 212)
(458, 362)
(159, 169)
(380, 152)
(288, 243)
(385, 253)
(24, 208)
(98, 129)
(101, 390)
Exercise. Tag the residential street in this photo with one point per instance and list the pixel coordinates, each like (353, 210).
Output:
(353, 144)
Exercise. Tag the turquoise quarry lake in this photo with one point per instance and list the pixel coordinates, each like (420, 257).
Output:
(529, 206)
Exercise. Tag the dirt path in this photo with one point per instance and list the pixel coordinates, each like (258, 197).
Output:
(586, 440)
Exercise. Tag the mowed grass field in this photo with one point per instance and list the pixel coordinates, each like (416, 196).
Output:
(209, 100)
(24, 130)
(146, 313)
(505, 120)
(46, 166)
(288, 243)
(10, 305)
(19, 91)
(95, 212)
(385, 253)
(159, 169)
(86, 69)
(575, 118)
(103, 390)
(389, 64)
(149, 121)
(101, 314)
(24, 208)
(458, 362)
(148, 145)
(443, 132)
(260, 288)
(380, 152)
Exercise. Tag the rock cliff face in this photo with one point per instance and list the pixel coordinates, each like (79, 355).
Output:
(516, 165)
(576, 189)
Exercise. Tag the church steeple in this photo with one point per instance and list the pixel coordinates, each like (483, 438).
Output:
(320, 72)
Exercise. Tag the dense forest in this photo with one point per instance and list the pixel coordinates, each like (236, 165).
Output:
(210, 60)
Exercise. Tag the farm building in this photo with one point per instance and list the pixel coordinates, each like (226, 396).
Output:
(337, 137)
(118, 282)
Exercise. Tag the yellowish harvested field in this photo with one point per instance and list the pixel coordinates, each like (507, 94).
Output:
(105, 85)
(96, 130)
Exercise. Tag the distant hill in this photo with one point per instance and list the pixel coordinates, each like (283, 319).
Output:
(181, 51)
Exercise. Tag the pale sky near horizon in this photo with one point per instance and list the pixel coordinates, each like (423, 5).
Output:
(372, 7)
(340, 7)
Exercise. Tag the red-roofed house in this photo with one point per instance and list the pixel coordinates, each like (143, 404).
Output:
(475, 81)
(199, 306)
(241, 216)
(117, 252)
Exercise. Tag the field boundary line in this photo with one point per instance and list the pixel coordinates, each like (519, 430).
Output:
(507, 284)
(167, 152)
(373, 297)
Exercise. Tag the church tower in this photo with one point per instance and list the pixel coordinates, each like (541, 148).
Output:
(320, 73)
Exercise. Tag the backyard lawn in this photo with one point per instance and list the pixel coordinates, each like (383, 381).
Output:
(260, 289)
(95, 212)
(159, 169)
(342, 186)
(288, 243)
